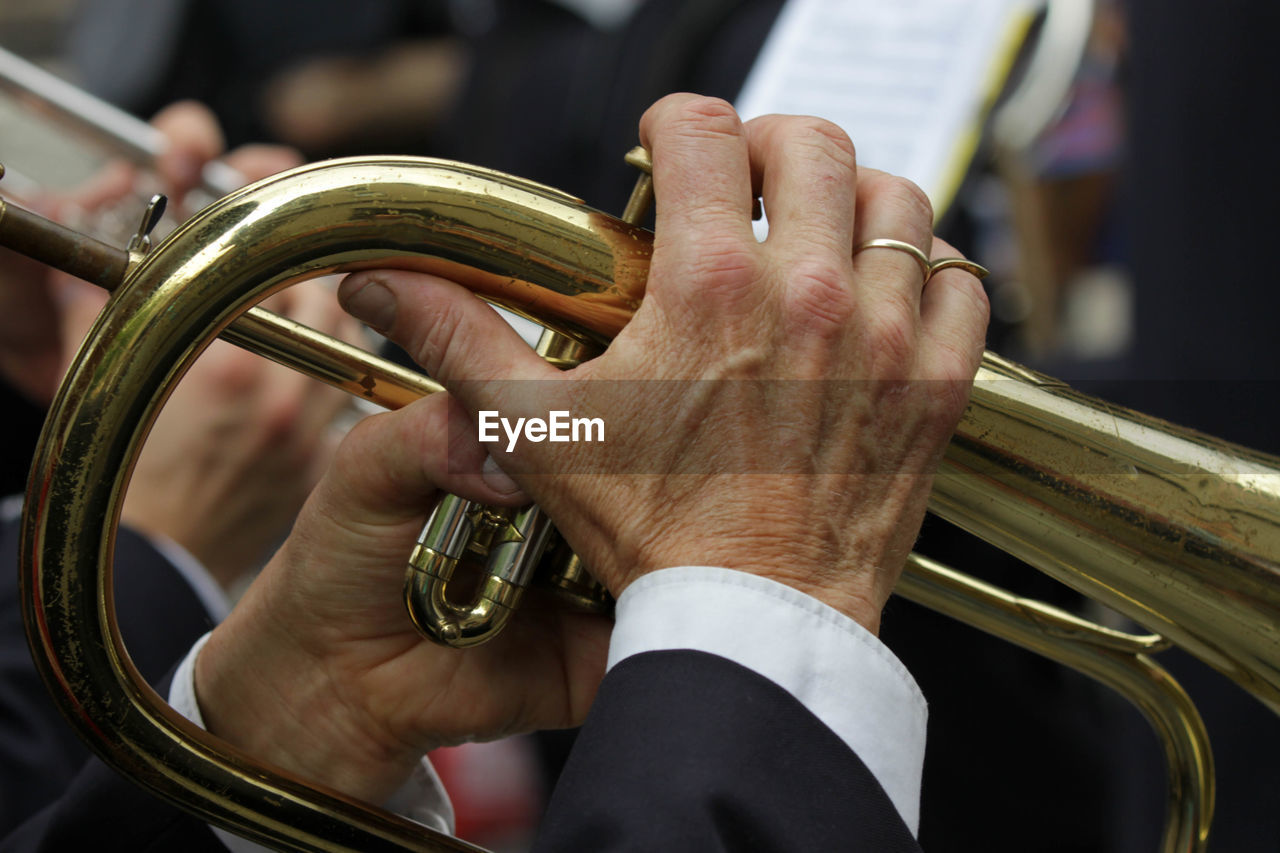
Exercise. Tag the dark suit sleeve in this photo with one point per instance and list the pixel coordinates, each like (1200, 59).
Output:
(685, 750)
(101, 810)
(40, 755)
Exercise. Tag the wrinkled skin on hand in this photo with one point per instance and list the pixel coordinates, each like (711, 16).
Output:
(796, 395)
(319, 670)
(806, 395)
(242, 441)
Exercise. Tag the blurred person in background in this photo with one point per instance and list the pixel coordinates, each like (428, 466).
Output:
(324, 76)
(228, 463)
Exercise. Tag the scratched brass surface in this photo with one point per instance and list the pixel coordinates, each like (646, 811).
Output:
(1178, 531)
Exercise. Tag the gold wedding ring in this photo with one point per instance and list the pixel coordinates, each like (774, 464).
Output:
(978, 271)
(927, 267)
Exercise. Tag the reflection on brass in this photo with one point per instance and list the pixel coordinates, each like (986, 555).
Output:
(517, 546)
(642, 193)
(1178, 531)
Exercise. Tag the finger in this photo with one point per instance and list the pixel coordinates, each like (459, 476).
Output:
(108, 185)
(954, 314)
(701, 167)
(192, 138)
(891, 208)
(808, 180)
(457, 338)
(391, 465)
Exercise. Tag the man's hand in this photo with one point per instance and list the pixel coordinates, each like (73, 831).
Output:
(319, 669)
(777, 407)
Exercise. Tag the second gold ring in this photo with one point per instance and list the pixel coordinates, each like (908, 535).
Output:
(927, 267)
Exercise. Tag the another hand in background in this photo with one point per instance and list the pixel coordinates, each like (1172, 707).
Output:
(44, 313)
(239, 445)
(241, 441)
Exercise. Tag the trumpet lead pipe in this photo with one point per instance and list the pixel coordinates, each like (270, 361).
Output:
(60, 247)
(313, 353)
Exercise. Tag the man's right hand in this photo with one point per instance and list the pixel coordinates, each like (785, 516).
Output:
(806, 394)
(775, 407)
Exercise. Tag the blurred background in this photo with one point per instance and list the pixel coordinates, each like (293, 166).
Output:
(37, 31)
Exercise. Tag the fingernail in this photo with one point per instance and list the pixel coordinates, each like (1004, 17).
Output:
(497, 479)
(370, 301)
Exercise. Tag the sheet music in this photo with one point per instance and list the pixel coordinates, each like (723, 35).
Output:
(908, 80)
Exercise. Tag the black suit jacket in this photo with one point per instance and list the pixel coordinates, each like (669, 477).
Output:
(682, 751)
(685, 750)
(160, 617)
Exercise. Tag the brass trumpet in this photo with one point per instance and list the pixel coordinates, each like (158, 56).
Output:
(1176, 530)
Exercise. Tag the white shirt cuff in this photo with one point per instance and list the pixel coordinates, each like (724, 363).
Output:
(422, 798)
(840, 671)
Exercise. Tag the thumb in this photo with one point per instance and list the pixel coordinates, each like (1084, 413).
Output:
(391, 465)
(451, 332)
(456, 337)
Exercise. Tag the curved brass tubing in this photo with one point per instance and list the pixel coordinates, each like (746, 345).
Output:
(1119, 660)
(512, 540)
(497, 234)
(1176, 530)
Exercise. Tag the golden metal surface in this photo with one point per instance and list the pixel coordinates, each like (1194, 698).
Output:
(1176, 530)
(510, 541)
(498, 235)
(928, 268)
(1119, 660)
(321, 356)
(916, 253)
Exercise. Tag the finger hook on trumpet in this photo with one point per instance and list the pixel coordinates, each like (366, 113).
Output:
(141, 240)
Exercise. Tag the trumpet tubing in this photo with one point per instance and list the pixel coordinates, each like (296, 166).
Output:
(1176, 530)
